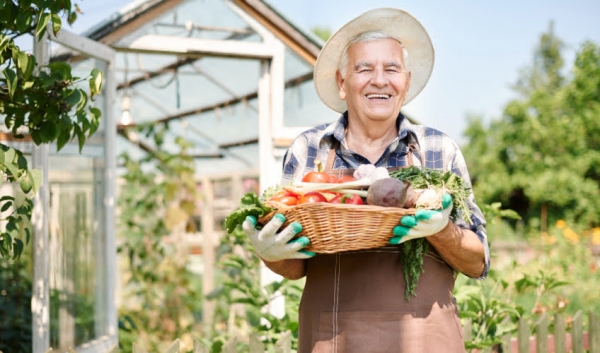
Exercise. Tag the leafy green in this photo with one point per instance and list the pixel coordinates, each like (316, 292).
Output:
(250, 205)
(424, 178)
(412, 263)
(427, 178)
(270, 191)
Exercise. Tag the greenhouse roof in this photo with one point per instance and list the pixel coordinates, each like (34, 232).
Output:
(195, 66)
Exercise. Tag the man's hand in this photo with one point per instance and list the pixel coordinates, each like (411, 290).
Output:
(273, 246)
(424, 223)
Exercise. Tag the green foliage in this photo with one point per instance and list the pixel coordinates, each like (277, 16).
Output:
(240, 284)
(491, 315)
(542, 158)
(43, 103)
(162, 297)
(15, 303)
(250, 205)
(322, 32)
(423, 178)
(17, 208)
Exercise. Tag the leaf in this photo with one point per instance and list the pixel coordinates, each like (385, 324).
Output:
(48, 131)
(14, 172)
(35, 136)
(21, 160)
(17, 248)
(83, 101)
(80, 137)
(22, 61)
(26, 184)
(42, 23)
(9, 155)
(74, 98)
(56, 23)
(31, 63)
(95, 120)
(4, 41)
(11, 81)
(250, 204)
(96, 82)
(60, 68)
(6, 206)
(6, 197)
(509, 214)
(63, 138)
(23, 21)
(36, 177)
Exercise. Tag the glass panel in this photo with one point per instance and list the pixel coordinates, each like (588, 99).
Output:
(161, 85)
(302, 106)
(213, 98)
(77, 234)
(209, 19)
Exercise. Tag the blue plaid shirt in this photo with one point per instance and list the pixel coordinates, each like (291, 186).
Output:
(434, 150)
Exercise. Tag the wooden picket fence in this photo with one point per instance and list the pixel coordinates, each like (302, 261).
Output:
(559, 341)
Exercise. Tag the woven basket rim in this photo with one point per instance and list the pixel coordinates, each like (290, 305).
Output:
(283, 207)
(334, 228)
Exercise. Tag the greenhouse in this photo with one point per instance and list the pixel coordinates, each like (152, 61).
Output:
(232, 78)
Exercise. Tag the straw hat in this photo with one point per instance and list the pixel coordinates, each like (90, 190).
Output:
(397, 24)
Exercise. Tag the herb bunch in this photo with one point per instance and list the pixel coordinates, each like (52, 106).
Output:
(250, 205)
(427, 178)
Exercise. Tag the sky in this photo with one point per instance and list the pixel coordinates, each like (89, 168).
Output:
(480, 46)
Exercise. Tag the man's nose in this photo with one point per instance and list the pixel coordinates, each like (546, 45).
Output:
(378, 79)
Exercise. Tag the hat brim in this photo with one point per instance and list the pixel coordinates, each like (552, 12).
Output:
(397, 24)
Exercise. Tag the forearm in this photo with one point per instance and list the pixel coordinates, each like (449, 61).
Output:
(290, 269)
(460, 248)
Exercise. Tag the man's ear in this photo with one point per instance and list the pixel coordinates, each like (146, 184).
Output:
(340, 82)
(408, 76)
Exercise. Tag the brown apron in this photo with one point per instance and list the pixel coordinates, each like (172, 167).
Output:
(354, 302)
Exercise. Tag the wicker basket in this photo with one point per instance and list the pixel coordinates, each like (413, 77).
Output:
(334, 228)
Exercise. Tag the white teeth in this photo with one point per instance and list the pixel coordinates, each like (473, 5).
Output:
(384, 96)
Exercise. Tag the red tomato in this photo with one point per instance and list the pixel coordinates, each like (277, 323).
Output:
(336, 199)
(279, 194)
(348, 199)
(316, 177)
(312, 197)
(289, 200)
(345, 178)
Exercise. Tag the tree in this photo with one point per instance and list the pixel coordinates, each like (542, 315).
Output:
(43, 103)
(542, 158)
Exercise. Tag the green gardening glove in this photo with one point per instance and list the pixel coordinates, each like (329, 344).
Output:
(424, 223)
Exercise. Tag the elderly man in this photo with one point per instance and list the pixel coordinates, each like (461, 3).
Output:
(354, 301)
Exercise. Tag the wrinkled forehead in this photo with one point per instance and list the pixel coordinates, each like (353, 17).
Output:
(386, 49)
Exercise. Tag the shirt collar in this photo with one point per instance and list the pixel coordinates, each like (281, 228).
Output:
(405, 129)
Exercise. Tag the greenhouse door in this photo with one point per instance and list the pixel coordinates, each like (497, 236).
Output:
(74, 275)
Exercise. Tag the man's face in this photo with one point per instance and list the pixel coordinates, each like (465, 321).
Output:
(376, 80)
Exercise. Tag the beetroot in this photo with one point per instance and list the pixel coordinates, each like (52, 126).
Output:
(391, 192)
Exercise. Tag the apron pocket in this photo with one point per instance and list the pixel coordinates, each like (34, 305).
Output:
(366, 331)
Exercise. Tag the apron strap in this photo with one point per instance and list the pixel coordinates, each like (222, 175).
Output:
(331, 155)
(409, 157)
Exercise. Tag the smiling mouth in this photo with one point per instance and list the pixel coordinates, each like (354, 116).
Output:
(378, 96)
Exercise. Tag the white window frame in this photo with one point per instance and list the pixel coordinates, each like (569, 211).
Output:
(40, 292)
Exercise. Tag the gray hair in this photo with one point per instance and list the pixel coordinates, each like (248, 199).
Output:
(367, 37)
